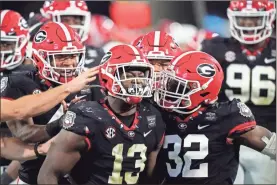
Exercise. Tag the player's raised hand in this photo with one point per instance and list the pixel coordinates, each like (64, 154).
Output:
(82, 81)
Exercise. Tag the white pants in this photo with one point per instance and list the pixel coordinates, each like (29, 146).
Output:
(240, 176)
(258, 168)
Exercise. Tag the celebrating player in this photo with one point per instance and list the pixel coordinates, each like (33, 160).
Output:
(59, 56)
(202, 136)
(248, 60)
(111, 138)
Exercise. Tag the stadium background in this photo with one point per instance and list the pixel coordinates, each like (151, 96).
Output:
(199, 13)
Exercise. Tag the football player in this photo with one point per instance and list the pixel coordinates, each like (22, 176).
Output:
(77, 15)
(13, 41)
(112, 138)
(59, 56)
(202, 136)
(159, 48)
(248, 60)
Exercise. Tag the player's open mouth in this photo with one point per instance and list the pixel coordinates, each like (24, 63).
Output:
(68, 73)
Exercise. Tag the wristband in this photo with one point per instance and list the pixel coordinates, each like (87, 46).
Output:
(36, 150)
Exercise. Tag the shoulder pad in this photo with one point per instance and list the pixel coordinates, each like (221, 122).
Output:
(89, 109)
(233, 107)
(24, 70)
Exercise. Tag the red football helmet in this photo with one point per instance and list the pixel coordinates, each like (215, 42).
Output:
(59, 11)
(137, 42)
(58, 52)
(157, 46)
(251, 21)
(114, 77)
(14, 39)
(193, 78)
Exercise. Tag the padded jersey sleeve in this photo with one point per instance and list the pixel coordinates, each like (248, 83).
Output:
(78, 122)
(16, 86)
(240, 121)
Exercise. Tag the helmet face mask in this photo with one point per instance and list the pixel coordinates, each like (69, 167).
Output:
(133, 80)
(192, 78)
(74, 13)
(251, 21)
(58, 52)
(78, 21)
(126, 74)
(175, 92)
(54, 68)
(14, 39)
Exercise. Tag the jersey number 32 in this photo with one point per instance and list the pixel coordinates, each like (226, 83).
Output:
(183, 163)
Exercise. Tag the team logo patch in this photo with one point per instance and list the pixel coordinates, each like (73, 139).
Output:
(230, 56)
(244, 110)
(69, 119)
(131, 134)
(206, 70)
(151, 121)
(210, 116)
(36, 91)
(40, 36)
(4, 83)
(106, 57)
(182, 126)
(110, 132)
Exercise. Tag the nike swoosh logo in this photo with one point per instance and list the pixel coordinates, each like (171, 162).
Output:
(88, 61)
(201, 127)
(80, 97)
(145, 134)
(269, 60)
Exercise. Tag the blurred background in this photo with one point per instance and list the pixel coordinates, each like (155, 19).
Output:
(145, 15)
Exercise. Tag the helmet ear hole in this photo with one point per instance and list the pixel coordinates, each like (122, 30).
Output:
(204, 94)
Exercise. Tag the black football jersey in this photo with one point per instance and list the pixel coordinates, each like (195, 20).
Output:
(116, 154)
(24, 81)
(203, 150)
(248, 78)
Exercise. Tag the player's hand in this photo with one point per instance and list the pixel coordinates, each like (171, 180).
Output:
(43, 148)
(82, 81)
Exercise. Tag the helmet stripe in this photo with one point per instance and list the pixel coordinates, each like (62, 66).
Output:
(135, 50)
(174, 62)
(156, 40)
(66, 33)
(3, 13)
